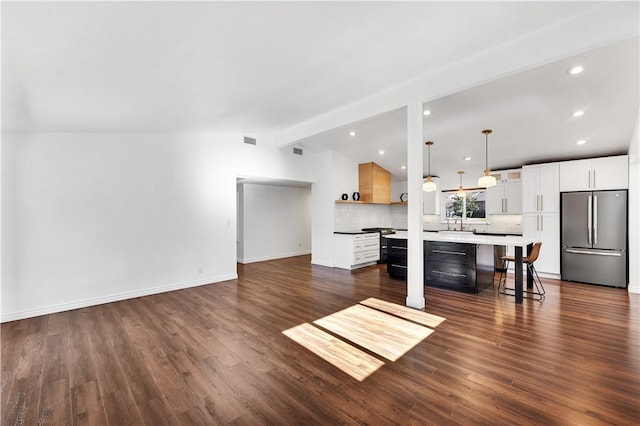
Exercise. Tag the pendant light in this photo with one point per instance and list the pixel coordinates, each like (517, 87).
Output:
(460, 190)
(429, 185)
(487, 180)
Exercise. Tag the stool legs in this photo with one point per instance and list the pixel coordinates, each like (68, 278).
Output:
(537, 293)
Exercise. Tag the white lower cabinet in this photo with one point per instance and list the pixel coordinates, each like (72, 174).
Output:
(544, 227)
(352, 251)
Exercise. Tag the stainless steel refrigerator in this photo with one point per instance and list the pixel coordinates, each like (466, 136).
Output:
(594, 237)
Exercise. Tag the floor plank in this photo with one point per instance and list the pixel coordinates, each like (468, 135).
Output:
(216, 354)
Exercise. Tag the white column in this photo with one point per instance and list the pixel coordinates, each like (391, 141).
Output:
(415, 259)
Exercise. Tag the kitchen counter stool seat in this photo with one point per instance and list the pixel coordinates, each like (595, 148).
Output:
(537, 292)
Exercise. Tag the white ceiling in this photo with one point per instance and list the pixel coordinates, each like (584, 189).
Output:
(257, 67)
(530, 114)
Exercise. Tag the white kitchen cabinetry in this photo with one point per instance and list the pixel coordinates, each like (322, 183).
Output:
(506, 196)
(541, 188)
(595, 174)
(541, 213)
(544, 227)
(352, 251)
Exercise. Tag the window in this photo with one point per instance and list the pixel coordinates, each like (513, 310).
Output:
(470, 206)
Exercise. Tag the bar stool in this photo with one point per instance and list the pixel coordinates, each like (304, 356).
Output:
(537, 293)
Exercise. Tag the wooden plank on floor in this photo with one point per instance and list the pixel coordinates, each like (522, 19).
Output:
(405, 312)
(386, 335)
(351, 360)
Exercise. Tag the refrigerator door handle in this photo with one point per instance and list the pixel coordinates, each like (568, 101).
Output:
(595, 214)
(589, 219)
(594, 253)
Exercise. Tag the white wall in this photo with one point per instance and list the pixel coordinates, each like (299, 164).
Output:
(276, 221)
(91, 218)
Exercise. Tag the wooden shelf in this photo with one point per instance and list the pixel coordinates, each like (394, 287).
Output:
(362, 202)
(399, 202)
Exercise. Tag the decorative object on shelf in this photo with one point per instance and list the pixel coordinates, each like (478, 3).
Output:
(429, 185)
(487, 180)
(356, 196)
(460, 190)
(345, 197)
(403, 197)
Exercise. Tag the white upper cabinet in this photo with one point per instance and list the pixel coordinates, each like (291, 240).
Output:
(540, 188)
(595, 174)
(506, 196)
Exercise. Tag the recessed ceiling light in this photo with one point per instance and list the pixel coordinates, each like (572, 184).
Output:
(578, 114)
(381, 152)
(426, 112)
(581, 142)
(467, 158)
(352, 133)
(576, 70)
(403, 167)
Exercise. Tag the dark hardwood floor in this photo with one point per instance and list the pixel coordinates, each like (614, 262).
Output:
(216, 354)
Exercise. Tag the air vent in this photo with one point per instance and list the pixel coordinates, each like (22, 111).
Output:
(297, 151)
(250, 141)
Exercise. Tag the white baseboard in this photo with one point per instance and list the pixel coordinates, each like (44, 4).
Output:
(273, 257)
(635, 289)
(61, 307)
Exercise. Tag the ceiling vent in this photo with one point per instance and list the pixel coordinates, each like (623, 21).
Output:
(250, 141)
(297, 151)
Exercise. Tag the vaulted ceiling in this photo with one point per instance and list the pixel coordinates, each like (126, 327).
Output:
(263, 66)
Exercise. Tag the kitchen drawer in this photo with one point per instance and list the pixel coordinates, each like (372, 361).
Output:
(396, 270)
(366, 245)
(367, 256)
(457, 253)
(450, 274)
(367, 236)
(395, 243)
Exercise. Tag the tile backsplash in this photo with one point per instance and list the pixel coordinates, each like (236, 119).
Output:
(352, 217)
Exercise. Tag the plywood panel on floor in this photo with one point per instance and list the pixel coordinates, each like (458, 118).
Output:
(405, 312)
(381, 333)
(351, 360)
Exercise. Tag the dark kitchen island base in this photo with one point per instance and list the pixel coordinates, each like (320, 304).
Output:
(455, 266)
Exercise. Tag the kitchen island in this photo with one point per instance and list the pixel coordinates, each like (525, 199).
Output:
(458, 260)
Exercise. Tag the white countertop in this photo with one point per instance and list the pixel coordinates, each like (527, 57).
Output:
(469, 238)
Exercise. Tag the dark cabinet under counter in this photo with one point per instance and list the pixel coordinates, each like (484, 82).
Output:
(397, 258)
(458, 266)
(455, 266)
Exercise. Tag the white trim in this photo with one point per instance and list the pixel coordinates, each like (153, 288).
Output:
(113, 298)
(634, 290)
(273, 257)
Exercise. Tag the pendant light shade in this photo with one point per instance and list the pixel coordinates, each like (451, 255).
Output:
(429, 185)
(460, 190)
(486, 180)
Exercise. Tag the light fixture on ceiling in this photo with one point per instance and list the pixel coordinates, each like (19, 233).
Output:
(403, 167)
(460, 190)
(429, 185)
(426, 112)
(578, 114)
(352, 133)
(581, 142)
(467, 158)
(381, 152)
(576, 69)
(486, 180)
